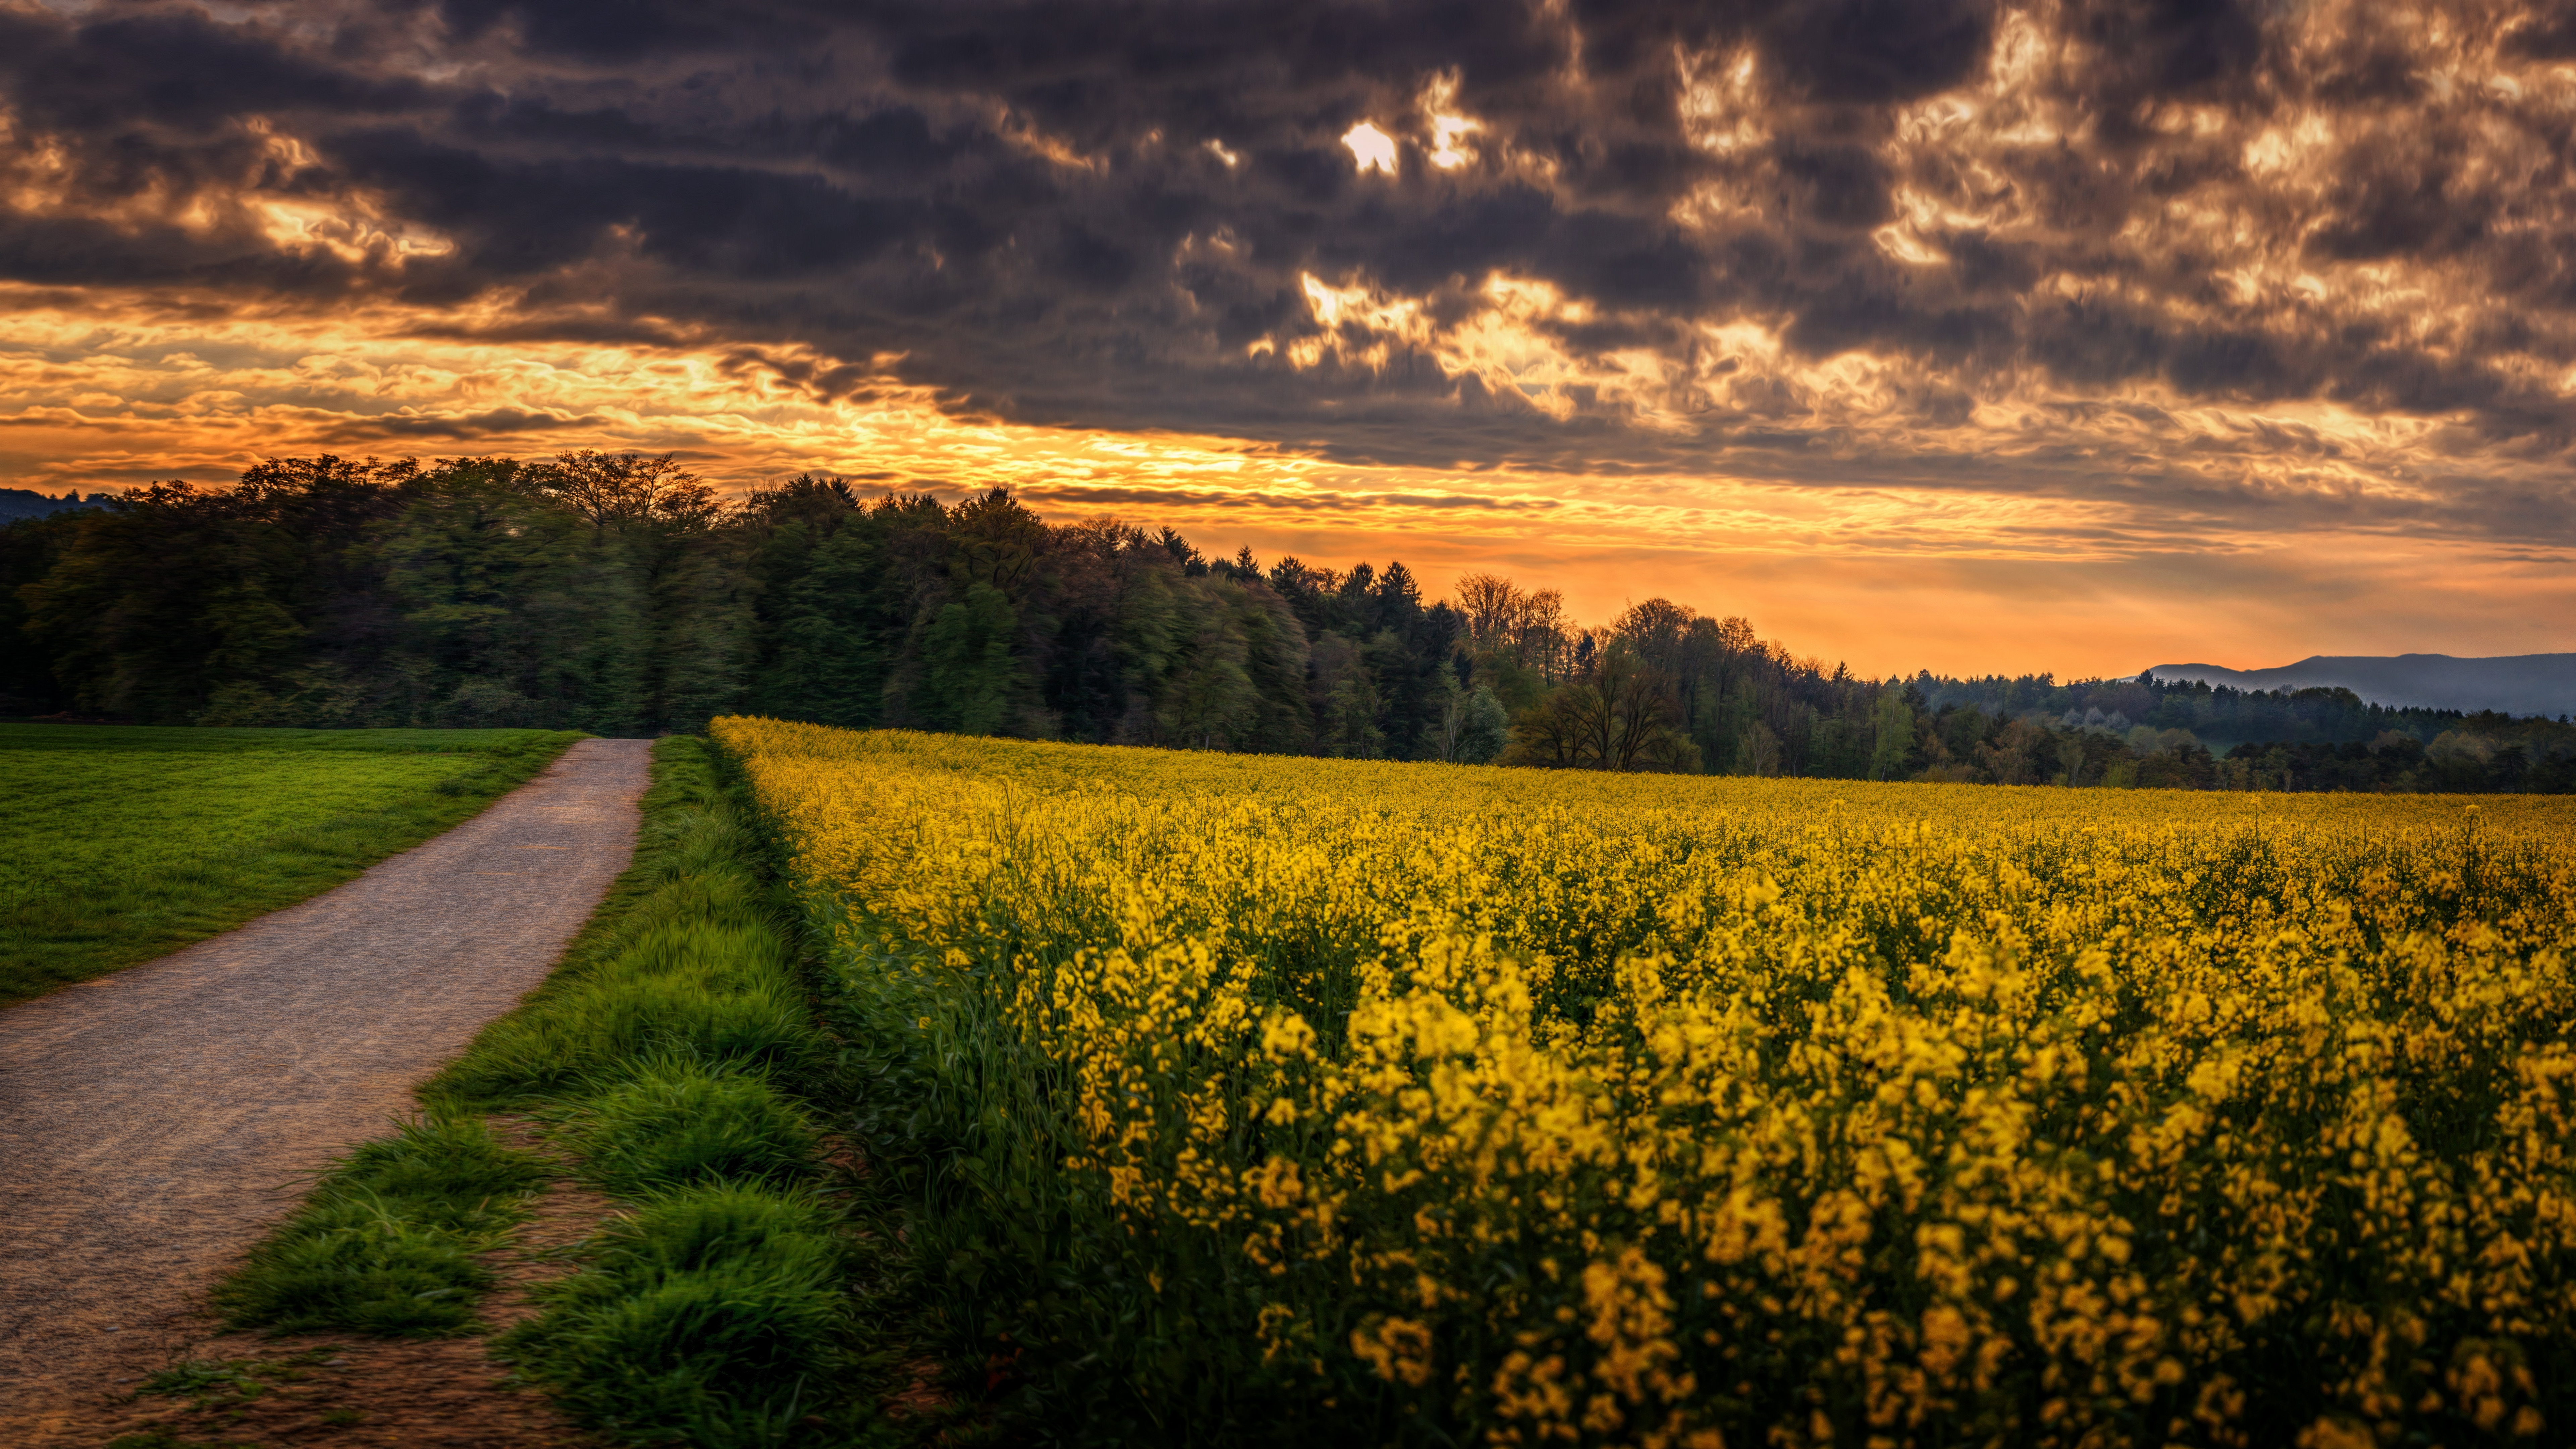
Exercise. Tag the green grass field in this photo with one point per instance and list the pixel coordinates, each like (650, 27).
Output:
(119, 843)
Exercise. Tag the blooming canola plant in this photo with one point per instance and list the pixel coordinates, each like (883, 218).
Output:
(1430, 1103)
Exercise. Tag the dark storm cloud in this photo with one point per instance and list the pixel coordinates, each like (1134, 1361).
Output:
(1106, 214)
(491, 423)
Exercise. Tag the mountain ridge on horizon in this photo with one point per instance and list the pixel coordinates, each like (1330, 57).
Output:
(2518, 684)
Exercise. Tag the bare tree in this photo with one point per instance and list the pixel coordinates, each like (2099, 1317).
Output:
(1529, 627)
(621, 487)
(1493, 608)
(1620, 715)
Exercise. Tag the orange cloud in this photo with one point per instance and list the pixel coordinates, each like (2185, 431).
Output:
(1890, 578)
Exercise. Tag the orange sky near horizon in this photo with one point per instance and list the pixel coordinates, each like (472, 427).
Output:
(1889, 580)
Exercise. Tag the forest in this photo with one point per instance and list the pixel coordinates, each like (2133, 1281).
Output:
(621, 595)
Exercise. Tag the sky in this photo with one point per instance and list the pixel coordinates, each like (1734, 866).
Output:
(1924, 333)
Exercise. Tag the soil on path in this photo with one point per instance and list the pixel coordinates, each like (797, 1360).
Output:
(155, 1122)
(324, 1391)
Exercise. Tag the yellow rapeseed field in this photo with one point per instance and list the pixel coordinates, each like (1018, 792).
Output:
(1285, 1100)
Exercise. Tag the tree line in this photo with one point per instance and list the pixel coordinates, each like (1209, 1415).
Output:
(619, 594)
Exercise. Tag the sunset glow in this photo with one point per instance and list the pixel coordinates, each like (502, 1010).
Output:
(2022, 344)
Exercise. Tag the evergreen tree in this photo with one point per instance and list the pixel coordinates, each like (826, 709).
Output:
(1345, 701)
(827, 651)
(1207, 700)
(970, 677)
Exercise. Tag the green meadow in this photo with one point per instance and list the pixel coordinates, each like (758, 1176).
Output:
(119, 843)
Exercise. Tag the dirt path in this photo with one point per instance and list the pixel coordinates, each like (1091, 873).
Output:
(154, 1122)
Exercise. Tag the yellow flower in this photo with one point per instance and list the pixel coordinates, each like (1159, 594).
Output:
(1676, 1110)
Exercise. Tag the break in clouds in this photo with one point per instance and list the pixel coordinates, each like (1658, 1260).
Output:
(2255, 267)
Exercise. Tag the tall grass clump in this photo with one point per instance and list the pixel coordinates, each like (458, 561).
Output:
(674, 1124)
(709, 1314)
(387, 1241)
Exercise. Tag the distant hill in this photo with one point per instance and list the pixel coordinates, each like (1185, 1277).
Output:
(2514, 684)
(17, 503)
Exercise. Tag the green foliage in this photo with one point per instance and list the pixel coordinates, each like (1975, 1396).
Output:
(674, 1124)
(118, 844)
(2149, 732)
(589, 592)
(969, 671)
(1619, 714)
(1483, 727)
(1892, 755)
(668, 1046)
(688, 1230)
(827, 653)
(712, 1314)
(693, 968)
(619, 595)
(702, 1004)
(1347, 706)
(30, 549)
(387, 1242)
(616, 595)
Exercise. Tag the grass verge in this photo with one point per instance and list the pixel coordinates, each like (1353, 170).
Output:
(673, 1056)
(122, 843)
(390, 1241)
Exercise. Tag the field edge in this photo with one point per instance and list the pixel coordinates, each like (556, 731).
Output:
(403, 822)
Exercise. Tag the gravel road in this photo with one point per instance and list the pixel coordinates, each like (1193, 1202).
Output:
(154, 1122)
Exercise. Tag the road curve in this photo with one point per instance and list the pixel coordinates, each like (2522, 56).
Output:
(154, 1122)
